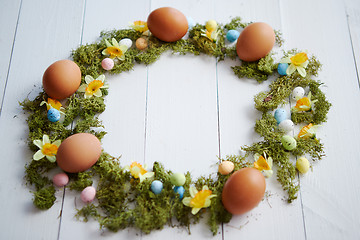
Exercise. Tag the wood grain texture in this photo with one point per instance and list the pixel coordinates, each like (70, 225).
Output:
(184, 111)
(43, 36)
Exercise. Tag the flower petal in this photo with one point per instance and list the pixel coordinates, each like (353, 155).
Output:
(290, 69)
(205, 187)
(301, 71)
(186, 201)
(38, 155)
(98, 93)
(105, 52)
(195, 210)
(57, 143)
(114, 42)
(101, 77)
(88, 79)
(107, 43)
(193, 191)
(82, 88)
(51, 158)
(46, 139)
(38, 143)
(285, 60)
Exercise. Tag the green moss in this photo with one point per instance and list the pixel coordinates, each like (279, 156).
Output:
(35, 173)
(44, 198)
(235, 23)
(81, 180)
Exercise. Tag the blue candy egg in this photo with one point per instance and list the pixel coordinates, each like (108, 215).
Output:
(180, 190)
(232, 35)
(280, 115)
(282, 68)
(156, 186)
(53, 115)
(191, 22)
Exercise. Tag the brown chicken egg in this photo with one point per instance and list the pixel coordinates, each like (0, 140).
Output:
(243, 190)
(61, 79)
(255, 41)
(167, 24)
(78, 152)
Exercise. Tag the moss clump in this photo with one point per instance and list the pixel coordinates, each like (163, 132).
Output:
(259, 70)
(44, 198)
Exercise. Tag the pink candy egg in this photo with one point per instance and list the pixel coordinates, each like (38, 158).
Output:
(60, 179)
(107, 63)
(88, 194)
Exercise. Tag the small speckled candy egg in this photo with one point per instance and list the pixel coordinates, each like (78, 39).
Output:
(141, 43)
(178, 179)
(297, 93)
(53, 115)
(180, 190)
(282, 68)
(191, 22)
(303, 165)
(280, 115)
(60, 179)
(107, 64)
(126, 41)
(211, 25)
(286, 125)
(156, 186)
(88, 194)
(232, 35)
(226, 167)
(288, 142)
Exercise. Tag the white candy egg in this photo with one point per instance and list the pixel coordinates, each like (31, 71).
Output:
(286, 125)
(297, 93)
(126, 41)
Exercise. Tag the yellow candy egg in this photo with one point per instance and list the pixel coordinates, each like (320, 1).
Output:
(303, 165)
(211, 25)
(226, 167)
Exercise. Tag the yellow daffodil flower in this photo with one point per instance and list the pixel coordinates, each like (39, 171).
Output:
(138, 171)
(139, 26)
(304, 104)
(198, 200)
(263, 164)
(115, 50)
(308, 131)
(53, 103)
(212, 35)
(297, 62)
(92, 87)
(47, 149)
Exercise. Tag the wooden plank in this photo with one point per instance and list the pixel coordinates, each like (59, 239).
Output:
(43, 36)
(352, 8)
(182, 114)
(237, 120)
(330, 194)
(9, 13)
(124, 118)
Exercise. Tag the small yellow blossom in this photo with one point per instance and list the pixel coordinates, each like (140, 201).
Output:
(212, 35)
(263, 164)
(297, 62)
(53, 103)
(115, 50)
(92, 87)
(138, 171)
(198, 200)
(308, 131)
(47, 149)
(304, 104)
(139, 26)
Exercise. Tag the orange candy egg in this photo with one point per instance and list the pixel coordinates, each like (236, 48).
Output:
(167, 24)
(61, 79)
(243, 190)
(78, 152)
(255, 41)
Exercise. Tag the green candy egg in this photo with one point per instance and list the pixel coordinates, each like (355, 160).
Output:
(288, 142)
(178, 179)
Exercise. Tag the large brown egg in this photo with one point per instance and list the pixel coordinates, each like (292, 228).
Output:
(78, 152)
(61, 79)
(167, 24)
(243, 190)
(255, 41)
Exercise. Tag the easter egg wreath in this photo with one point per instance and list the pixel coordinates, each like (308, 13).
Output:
(149, 198)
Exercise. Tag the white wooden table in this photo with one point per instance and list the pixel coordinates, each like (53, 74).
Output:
(184, 111)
